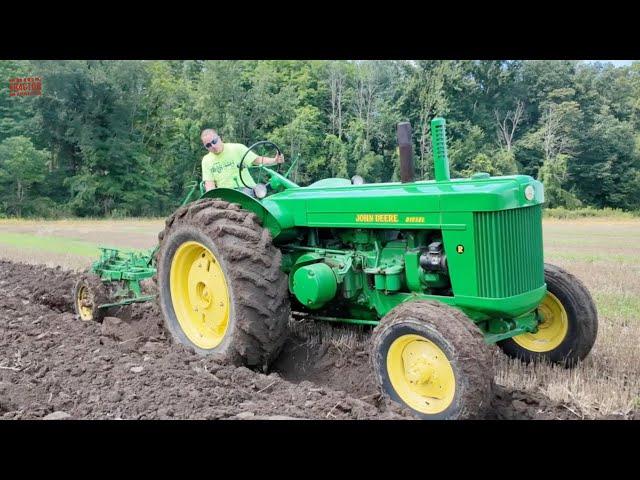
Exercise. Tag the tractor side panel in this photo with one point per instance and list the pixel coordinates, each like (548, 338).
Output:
(459, 246)
(392, 208)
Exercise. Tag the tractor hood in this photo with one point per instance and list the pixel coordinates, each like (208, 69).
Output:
(386, 205)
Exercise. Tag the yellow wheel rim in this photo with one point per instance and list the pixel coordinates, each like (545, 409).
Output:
(551, 331)
(85, 304)
(421, 374)
(199, 294)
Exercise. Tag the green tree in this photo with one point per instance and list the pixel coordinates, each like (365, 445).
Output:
(606, 174)
(22, 166)
(15, 112)
(553, 174)
(88, 115)
(556, 139)
(124, 135)
(424, 97)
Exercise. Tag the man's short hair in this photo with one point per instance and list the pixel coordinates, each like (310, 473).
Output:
(208, 131)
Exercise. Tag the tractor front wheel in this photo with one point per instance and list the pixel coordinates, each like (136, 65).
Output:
(221, 288)
(432, 358)
(569, 323)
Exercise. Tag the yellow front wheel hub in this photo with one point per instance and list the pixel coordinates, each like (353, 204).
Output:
(85, 304)
(199, 294)
(551, 331)
(421, 374)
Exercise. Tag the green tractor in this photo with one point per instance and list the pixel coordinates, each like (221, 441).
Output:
(439, 269)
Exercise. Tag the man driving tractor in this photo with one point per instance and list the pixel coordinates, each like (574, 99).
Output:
(440, 268)
(220, 165)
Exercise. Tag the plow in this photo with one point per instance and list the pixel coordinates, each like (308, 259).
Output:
(115, 279)
(438, 270)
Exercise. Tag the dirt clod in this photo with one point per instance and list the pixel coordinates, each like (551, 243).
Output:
(245, 415)
(56, 416)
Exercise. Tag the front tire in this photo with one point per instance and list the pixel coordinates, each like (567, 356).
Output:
(569, 327)
(432, 359)
(221, 288)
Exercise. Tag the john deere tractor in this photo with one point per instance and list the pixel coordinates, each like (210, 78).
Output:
(440, 269)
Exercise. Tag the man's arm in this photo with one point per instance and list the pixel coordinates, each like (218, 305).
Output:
(207, 176)
(269, 160)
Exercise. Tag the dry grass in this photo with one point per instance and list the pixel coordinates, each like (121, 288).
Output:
(606, 257)
(343, 337)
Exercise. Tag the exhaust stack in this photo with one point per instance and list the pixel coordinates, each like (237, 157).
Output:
(406, 152)
(439, 143)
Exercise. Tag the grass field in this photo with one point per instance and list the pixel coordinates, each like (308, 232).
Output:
(72, 243)
(603, 252)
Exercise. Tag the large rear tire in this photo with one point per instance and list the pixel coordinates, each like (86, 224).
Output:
(221, 288)
(431, 358)
(569, 327)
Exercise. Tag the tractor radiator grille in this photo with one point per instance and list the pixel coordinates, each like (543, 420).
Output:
(509, 254)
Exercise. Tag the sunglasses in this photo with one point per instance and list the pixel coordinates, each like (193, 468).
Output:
(212, 143)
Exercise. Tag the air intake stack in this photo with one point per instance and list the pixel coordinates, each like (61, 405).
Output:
(440, 156)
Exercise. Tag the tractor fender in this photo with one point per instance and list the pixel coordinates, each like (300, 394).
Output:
(270, 214)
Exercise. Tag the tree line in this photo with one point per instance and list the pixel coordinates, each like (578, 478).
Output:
(122, 138)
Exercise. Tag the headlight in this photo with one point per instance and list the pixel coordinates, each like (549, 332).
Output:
(260, 190)
(529, 192)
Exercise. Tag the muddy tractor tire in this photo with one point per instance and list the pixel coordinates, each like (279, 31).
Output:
(88, 293)
(569, 327)
(221, 289)
(432, 359)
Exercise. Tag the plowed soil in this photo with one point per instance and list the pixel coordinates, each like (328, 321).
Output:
(53, 365)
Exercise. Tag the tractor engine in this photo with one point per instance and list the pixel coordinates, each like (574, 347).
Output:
(354, 266)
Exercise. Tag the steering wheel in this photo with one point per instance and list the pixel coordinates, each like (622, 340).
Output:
(257, 144)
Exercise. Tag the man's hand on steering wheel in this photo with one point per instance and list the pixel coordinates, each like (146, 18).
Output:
(279, 158)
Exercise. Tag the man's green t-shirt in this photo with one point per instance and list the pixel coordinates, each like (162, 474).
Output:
(222, 167)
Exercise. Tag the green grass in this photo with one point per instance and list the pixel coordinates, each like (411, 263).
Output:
(50, 244)
(592, 257)
(595, 240)
(589, 212)
(617, 305)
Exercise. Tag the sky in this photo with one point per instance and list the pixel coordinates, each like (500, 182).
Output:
(617, 63)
